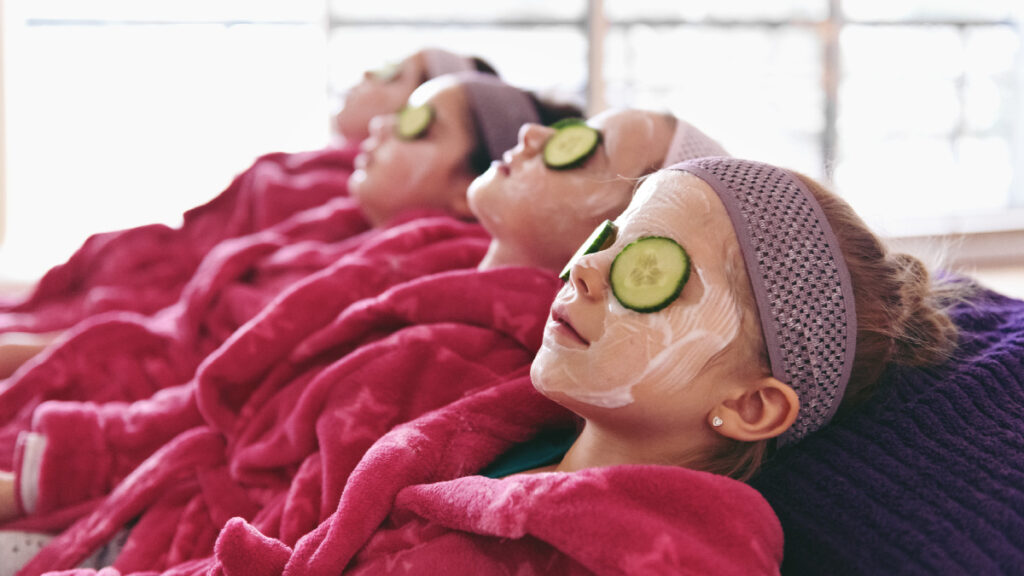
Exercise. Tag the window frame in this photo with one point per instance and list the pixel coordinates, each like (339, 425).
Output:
(967, 240)
(978, 240)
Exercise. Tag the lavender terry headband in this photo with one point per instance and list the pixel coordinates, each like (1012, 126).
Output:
(498, 109)
(689, 142)
(440, 62)
(800, 280)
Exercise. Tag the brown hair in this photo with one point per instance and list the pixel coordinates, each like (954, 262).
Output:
(902, 319)
(481, 65)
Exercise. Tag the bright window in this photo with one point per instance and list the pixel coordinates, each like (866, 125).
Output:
(911, 108)
(124, 113)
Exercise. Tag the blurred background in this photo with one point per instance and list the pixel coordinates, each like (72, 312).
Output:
(119, 113)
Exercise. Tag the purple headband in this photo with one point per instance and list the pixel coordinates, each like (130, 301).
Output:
(440, 62)
(498, 109)
(689, 142)
(800, 280)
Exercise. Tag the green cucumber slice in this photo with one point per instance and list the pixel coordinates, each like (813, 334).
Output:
(568, 122)
(413, 121)
(602, 237)
(571, 144)
(649, 273)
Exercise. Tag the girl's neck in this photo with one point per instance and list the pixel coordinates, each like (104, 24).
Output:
(501, 254)
(596, 447)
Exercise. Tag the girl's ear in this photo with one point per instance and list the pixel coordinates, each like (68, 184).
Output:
(763, 410)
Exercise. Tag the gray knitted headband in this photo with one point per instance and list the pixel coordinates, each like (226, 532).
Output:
(689, 142)
(498, 109)
(800, 280)
(439, 62)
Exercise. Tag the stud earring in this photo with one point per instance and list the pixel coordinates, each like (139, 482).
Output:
(716, 422)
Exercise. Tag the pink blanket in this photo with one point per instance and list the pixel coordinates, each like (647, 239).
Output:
(144, 269)
(123, 357)
(411, 506)
(285, 435)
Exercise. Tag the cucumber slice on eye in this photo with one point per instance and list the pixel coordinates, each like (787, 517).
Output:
(571, 144)
(649, 274)
(567, 122)
(602, 237)
(413, 121)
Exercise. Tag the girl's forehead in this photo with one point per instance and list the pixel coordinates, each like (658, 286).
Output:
(433, 90)
(670, 199)
(630, 138)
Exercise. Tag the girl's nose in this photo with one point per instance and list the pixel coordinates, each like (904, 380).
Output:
(589, 277)
(532, 137)
(383, 125)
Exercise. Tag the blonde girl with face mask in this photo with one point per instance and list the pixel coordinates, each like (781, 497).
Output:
(735, 307)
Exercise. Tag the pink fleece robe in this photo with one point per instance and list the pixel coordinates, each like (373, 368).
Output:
(144, 269)
(124, 356)
(99, 442)
(289, 432)
(413, 506)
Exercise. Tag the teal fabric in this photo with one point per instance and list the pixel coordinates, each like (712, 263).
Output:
(548, 448)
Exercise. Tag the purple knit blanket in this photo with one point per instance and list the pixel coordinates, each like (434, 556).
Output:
(926, 478)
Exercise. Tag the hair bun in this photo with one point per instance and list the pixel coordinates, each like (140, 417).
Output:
(921, 328)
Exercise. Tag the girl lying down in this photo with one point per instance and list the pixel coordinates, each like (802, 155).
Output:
(302, 368)
(727, 311)
(146, 268)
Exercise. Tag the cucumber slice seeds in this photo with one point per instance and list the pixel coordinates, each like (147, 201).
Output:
(571, 144)
(602, 237)
(649, 273)
(413, 121)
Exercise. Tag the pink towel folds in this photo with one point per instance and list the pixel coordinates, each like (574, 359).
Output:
(113, 434)
(293, 434)
(144, 269)
(413, 506)
(125, 356)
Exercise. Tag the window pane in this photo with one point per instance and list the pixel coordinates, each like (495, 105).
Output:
(928, 121)
(932, 52)
(992, 89)
(895, 181)
(897, 10)
(756, 90)
(555, 63)
(459, 10)
(696, 10)
(179, 10)
(110, 126)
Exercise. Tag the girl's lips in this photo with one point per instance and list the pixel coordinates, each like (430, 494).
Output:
(363, 160)
(505, 164)
(501, 167)
(564, 329)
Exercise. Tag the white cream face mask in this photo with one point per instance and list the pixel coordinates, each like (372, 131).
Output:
(542, 214)
(623, 135)
(409, 174)
(667, 349)
(577, 195)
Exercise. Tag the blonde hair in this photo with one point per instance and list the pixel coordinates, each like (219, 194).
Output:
(902, 319)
